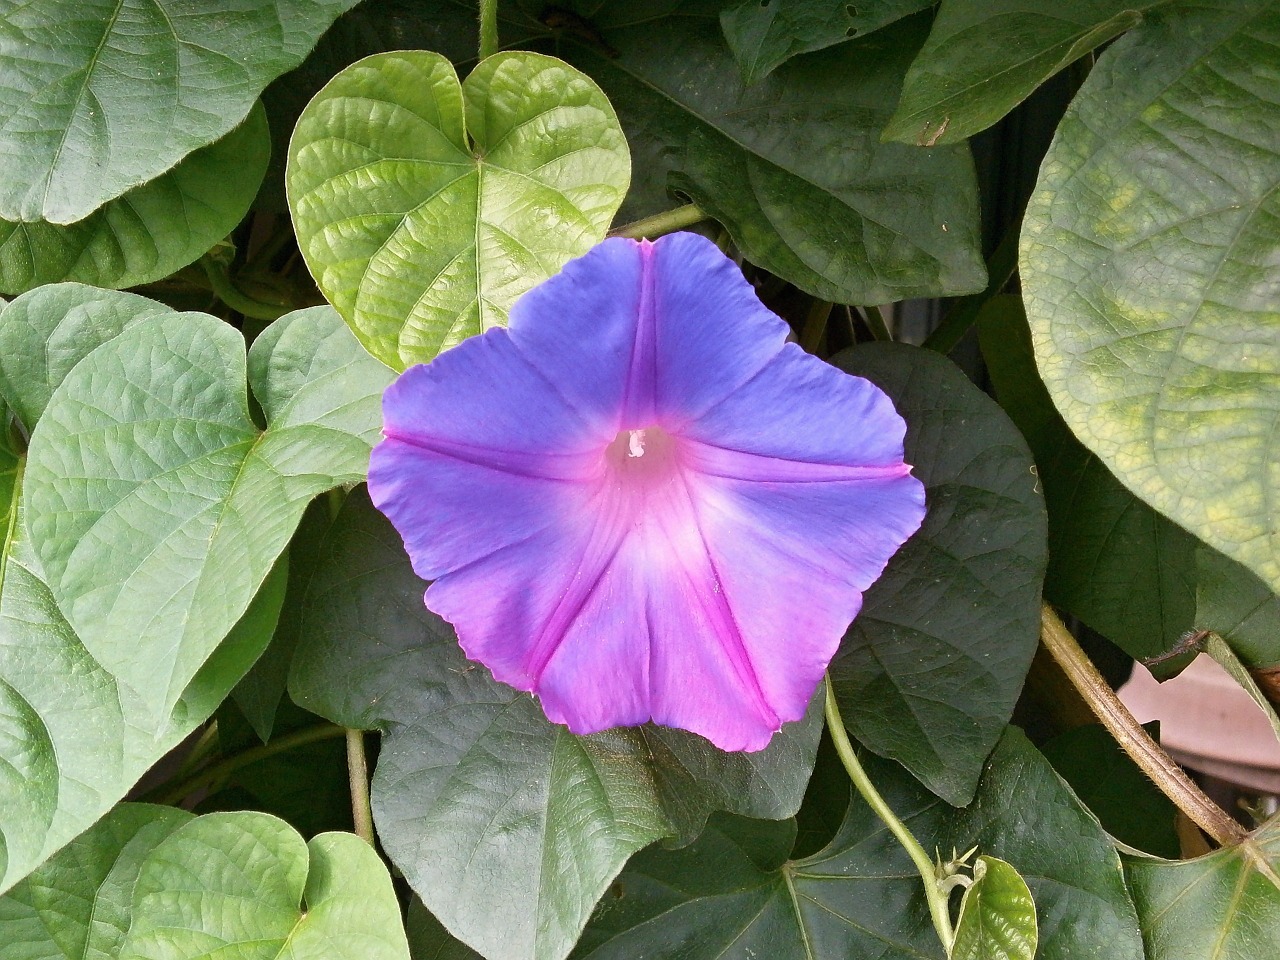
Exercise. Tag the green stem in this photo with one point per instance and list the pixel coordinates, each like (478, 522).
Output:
(205, 745)
(668, 221)
(488, 28)
(1000, 268)
(172, 795)
(358, 776)
(815, 326)
(1145, 752)
(936, 898)
(875, 323)
(233, 298)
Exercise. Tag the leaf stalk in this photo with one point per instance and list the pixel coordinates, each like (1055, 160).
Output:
(934, 893)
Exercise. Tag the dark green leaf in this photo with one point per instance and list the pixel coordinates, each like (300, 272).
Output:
(1149, 268)
(1234, 603)
(1223, 905)
(79, 903)
(245, 885)
(794, 167)
(149, 232)
(425, 207)
(763, 35)
(722, 897)
(508, 827)
(1114, 562)
(1120, 795)
(983, 59)
(929, 672)
(156, 507)
(105, 96)
(997, 916)
(429, 940)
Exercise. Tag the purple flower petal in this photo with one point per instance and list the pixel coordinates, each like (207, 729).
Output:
(640, 503)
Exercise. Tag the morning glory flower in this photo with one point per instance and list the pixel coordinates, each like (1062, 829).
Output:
(639, 502)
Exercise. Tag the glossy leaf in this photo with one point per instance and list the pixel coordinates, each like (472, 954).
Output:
(425, 207)
(246, 885)
(1223, 904)
(730, 894)
(46, 332)
(997, 918)
(1114, 562)
(152, 558)
(152, 230)
(929, 671)
(794, 167)
(79, 903)
(84, 124)
(1148, 268)
(764, 35)
(507, 826)
(983, 59)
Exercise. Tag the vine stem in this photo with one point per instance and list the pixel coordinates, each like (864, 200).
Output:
(237, 300)
(358, 775)
(488, 28)
(1145, 752)
(934, 895)
(666, 222)
(216, 771)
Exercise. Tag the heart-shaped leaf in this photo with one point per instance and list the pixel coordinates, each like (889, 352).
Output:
(425, 207)
(154, 883)
(156, 506)
(1223, 904)
(78, 904)
(982, 59)
(765, 35)
(508, 826)
(84, 124)
(1149, 265)
(794, 167)
(1115, 563)
(152, 230)
(930, 670)
(997, 916)
(733, 894)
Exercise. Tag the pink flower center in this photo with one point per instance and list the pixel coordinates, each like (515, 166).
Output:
(641, 457)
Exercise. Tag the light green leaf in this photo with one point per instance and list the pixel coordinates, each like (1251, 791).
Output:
(794, 167)
(764, 35)
(425, 207)
(1149, 265)
(997, 916)
(983, 59)
(79, 903)
(929, 672)
(156, 506)
(108, 95)
(246, 885)
(733, 895)
(46, 332)
(73, 737)
(152, 230)
(1114, 562)
(506, 825)
(1225, 904)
